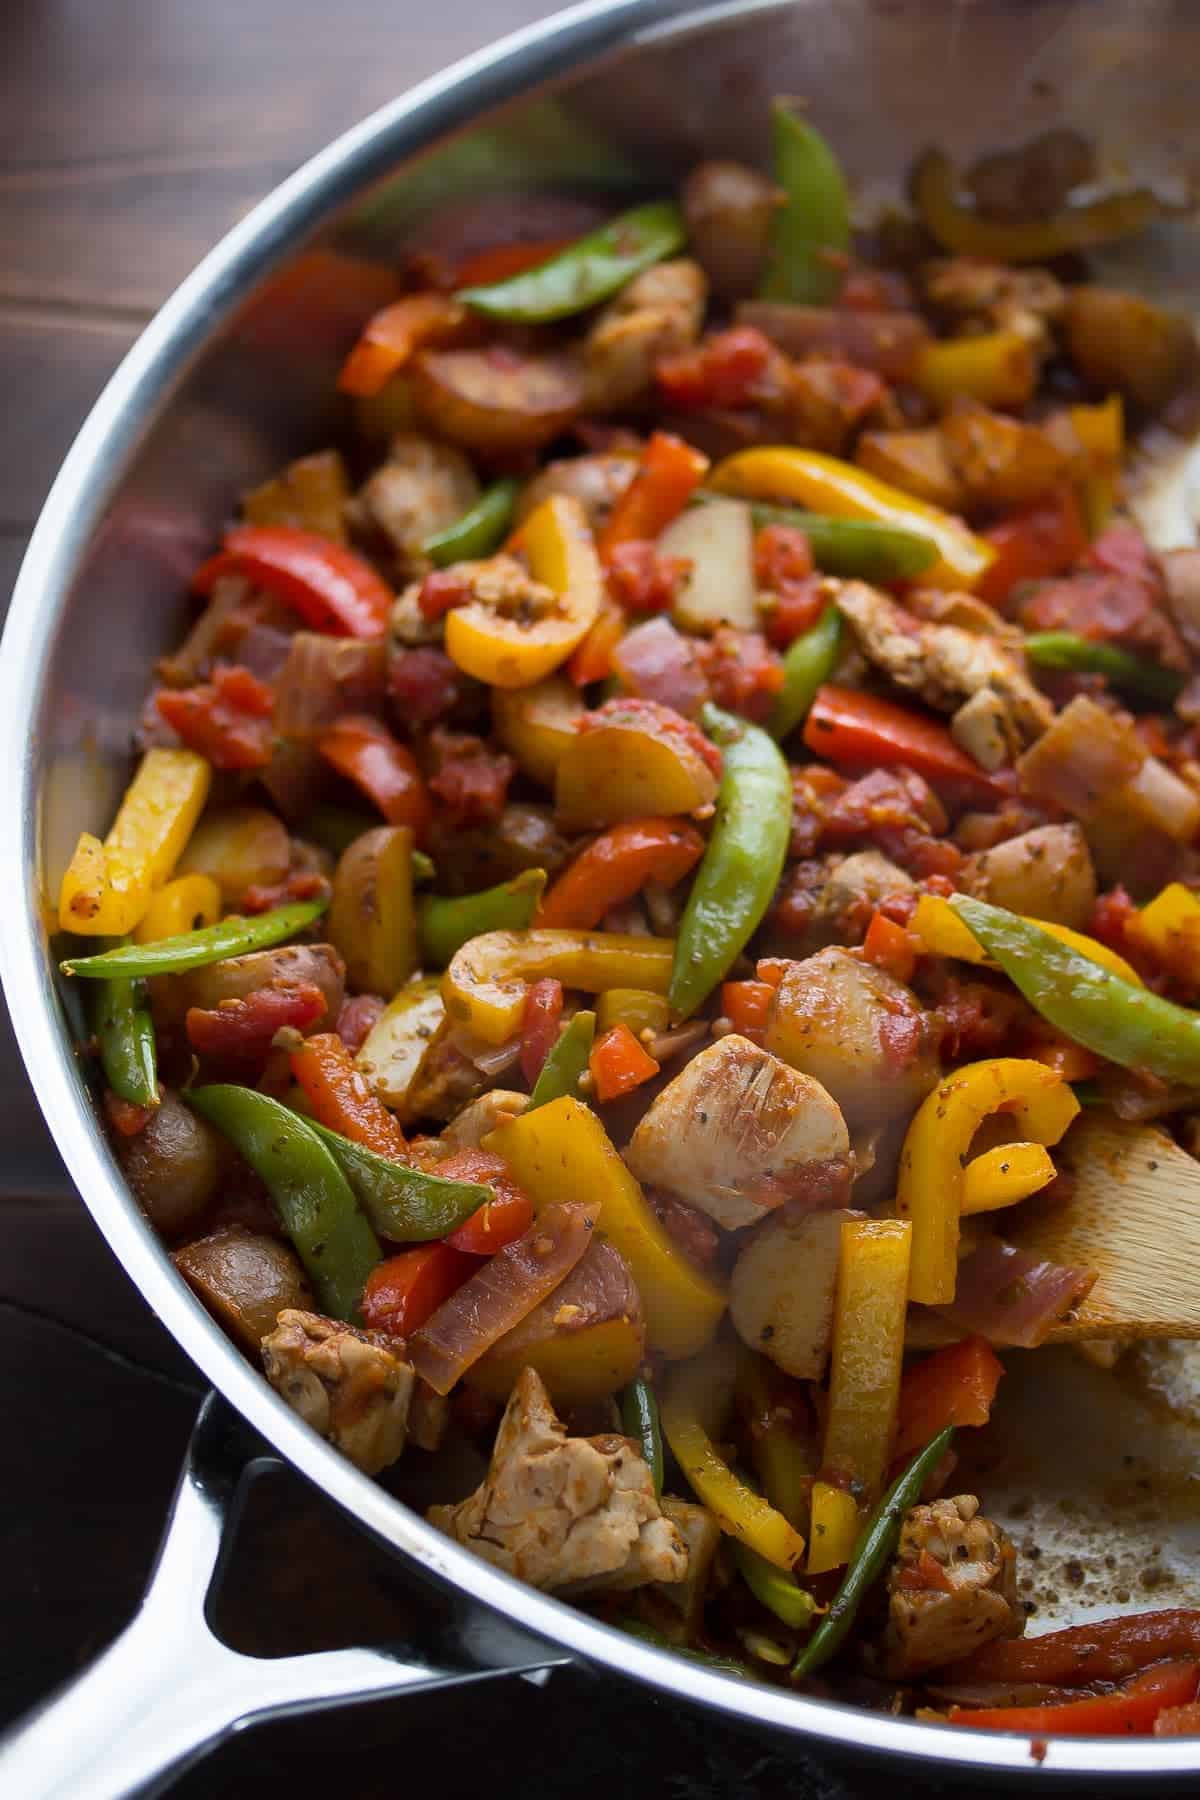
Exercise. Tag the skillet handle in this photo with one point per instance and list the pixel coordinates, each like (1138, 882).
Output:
(168, 1689)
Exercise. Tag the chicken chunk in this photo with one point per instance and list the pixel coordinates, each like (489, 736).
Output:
(929, 1625)
(421, 488)
(596, 481)
(737, 1133)
(352, 1387)
(982, 296)
(467, 1130)
(659, 313)
(562, 1512)
(859, 1032)
(943, 664)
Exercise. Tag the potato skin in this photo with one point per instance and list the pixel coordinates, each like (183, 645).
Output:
(291, 965)
(491, 405)
(242, 847)
(1045, 874)
(175, 1166)
(781, 1292)
(1121, 341)
(246, 1280)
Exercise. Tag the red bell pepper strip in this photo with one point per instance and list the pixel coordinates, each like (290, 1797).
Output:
(954, 1386)
(617, 865)
(539, 1024)
(503, 261)
(226, 719)
(669, 474)
(593, 661)
(1129, 1712)
(746, 1004)
(499, 1221)
(401, 1293)
(862, 731)
(618, 1063)
(331, 587)
(340, 1098)
(392, 336)
(242, 1031)
(367, 754)
(1106, 1650)
(1041, 540)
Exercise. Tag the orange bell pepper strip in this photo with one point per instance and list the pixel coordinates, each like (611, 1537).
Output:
(746, 1004)
(863, 731)
(954, 1386)
(367, 754)
(1030, 545)
(391, 337)
(331, 587)
(339, 1096)
(617, 865)
(406, 1290)
(1101, 1650)
(1129, 1712)
(593, 661)
(890, 948)
(670, 472)
(618, 1064)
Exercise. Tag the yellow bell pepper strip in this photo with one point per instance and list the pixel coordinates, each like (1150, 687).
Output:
(997, 368)
(234, 936)
(508, 650)
(445, 925)
(815, 216)
(1100, 431)
(783, 1459)
(1169, 928)
(868, 1351)
(968, 233)
(1086, 1003)
(936, 1151)
(635, 1007)
(1004, 1175)
(562, 1148)
(484, 987)
(186, 904)
(107, 887)
(690, 1410)
(871, 1552)
(940, 932)
(835, 1519)
(828, 485)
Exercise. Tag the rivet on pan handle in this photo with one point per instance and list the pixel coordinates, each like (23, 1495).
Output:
(168, 1689)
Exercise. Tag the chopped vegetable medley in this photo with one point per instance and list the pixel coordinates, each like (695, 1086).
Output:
(627, 890)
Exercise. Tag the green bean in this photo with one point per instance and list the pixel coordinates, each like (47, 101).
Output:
(480, 528)
(807, 664)
(125, 1035)
(235, 936)
(316, 1203)
(586, 272)
(815, 219)
(739, 872)
(773, 1588)
(445, 925)
(876, 1542)
(639, 1416)
(1134, 675)
(566, 1062)
(404, 1204)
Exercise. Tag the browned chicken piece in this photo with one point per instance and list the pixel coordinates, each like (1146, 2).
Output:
(562, 1512)
(943, 664)
(446, 1081)
(928, 1627)
(352, 1387)
(428, 1416)
(467, 1130)
(596, 481)
(737, 1132)
(982, 296)
(421, 488)
(658, 314)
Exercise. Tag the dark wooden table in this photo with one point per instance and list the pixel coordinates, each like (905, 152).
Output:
(132, 134)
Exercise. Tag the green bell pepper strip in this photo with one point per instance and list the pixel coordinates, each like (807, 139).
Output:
(480, 528)
(125, 1036)
(814, 219)
(235, 936)
(566, 1062)
(330, 1234)
(1089, 1004)
(859, 549)
(639, 1416)
(711, 1659)
(876, 1542)
(405, 1205)
(740, 869)
(1134, 675)
(773, 1588)
(808, 663)
(586, 272)
(446, 925)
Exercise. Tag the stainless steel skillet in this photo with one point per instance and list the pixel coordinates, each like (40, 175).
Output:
(234, 375)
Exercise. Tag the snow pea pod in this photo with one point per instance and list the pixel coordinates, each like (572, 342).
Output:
(480, 528)
(316, 1203)
(405, 1205)
(859, 549)
(739, 872)
(1134, 675)
(709, 1659)
(876, 1542)
(125, 1036)
(639, 1416)
(235, 936)
(445, 925)
(566, 1062)
(807, 665)
(586, 272)
(813, 221)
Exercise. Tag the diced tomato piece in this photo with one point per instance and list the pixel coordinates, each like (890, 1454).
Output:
(1043, 540)
(305, 884)
(471, 780)
(406, 1290)
(242, 1031)
(641, 580)
(500, 1220)
(226, 719)
(796, 611)
(358, 1018)
(425, 685)
(926, 1575)
(125, 1116)
(743, 671)
(889, 947)
(782, 558)
(539, 1024)
(618, 1063)
(723, 371)
(441, 591)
